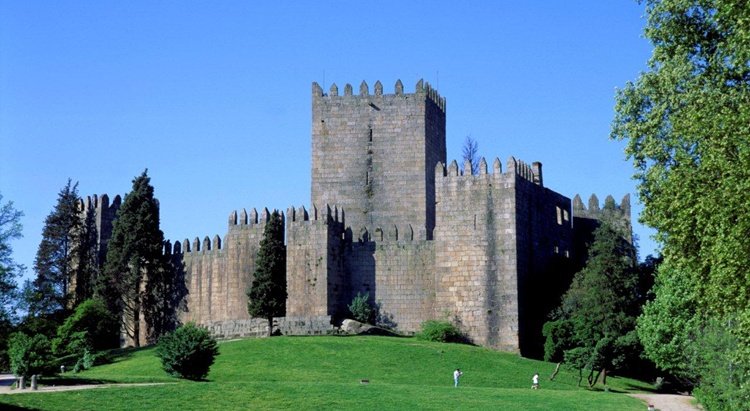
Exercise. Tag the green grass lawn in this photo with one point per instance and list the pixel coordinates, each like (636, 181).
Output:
(311, 373)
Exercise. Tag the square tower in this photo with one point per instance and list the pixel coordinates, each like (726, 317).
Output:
(374, 155)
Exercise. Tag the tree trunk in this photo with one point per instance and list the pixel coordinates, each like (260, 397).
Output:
(592, 381)
(604, 377)
(554, 374)
(136, 328)
(590, 377)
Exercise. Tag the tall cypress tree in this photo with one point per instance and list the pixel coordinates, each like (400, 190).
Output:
(267, 293)
(55, 257)
(135, 258)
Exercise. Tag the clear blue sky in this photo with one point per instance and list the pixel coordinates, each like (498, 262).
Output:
(214, 97)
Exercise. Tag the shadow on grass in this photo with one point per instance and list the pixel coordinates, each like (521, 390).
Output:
(10, 407)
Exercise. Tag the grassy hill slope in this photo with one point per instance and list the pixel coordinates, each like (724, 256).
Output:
(312, 373)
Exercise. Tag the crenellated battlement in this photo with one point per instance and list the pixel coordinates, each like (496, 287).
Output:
(198, 246)
(532, 173)
(595, 211)
(327, 214)
(99, 203)
(421, 88)
(243, 218)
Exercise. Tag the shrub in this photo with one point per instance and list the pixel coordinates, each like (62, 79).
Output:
(86, 360)
(440, 331)
(187, 352)
(91, 326)
(361, 309)
(29, 355)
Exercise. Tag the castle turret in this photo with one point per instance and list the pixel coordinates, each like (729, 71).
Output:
(373, 154)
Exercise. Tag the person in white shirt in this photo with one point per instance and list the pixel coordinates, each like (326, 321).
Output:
(456, 375)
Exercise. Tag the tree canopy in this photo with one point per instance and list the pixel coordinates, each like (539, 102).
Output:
(686, 122)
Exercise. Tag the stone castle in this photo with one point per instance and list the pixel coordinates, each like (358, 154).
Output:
(390, 217)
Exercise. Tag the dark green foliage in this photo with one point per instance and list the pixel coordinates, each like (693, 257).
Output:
(685, 121)
(558, 337)
(87, 265)
(91, 328)
(440, 331)
(136, 274)
(187, 352)
(361, 309)
(29, 355)
(721, 372)
(594, 328)
(10, 229)
(267, 293)
(55, 260)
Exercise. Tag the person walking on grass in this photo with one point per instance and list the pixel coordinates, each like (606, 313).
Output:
(456, 375)
(535, 382)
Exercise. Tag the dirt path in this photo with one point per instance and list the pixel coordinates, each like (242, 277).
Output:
(7, 380)
(669, 402)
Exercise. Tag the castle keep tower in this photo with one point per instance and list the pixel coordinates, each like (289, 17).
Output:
(374, 154)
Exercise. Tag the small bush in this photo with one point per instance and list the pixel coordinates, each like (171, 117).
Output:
(29, 355)
(361, 309)
(187, 352)
(440, 331)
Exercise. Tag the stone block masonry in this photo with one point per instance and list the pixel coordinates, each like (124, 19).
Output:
(372, 154)
(217, 276)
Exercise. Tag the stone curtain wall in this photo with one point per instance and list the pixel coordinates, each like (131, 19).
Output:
(370, 153)
(476, 252)
(217, 276)
(398, 275)
(315, 283)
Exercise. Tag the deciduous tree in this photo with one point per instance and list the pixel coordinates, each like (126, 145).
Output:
(10, 229)
(686, 122)
(470, 152)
